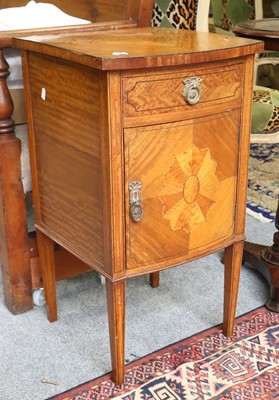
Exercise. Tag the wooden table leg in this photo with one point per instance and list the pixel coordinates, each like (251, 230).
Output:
(116, 299)
(154, 279)
(46, 251)
(266, 261)
(14, 248)
(233, 262)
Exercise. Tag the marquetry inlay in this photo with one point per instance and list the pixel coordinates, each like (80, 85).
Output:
(189, 188)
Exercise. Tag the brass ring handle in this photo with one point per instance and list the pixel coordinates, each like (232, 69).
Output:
(136, 211)
(192, 90)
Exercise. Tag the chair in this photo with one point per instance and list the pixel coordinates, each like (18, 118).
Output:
(226, 15)
(265, 109)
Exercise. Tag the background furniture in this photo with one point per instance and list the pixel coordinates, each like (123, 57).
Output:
(265, 126)
(17, 249)
(265, 259)
(149, 182)
(228, 14)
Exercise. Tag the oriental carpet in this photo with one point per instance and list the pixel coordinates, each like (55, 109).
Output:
(263, 181)
(205, 366)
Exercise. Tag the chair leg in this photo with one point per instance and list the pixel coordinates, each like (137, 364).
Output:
(46, 252)
(116, 292)
(233, 262)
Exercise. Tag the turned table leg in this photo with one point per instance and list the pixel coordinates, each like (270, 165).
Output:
(116, 293)
(266, 261)
(14, 248)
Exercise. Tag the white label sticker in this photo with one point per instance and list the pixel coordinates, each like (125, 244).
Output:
(43, 93)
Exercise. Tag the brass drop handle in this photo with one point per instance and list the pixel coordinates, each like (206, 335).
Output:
(192, 90)
(135, 200)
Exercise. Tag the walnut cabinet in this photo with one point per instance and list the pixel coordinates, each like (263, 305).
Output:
(139, 144)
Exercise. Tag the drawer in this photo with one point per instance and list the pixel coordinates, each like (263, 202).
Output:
(162, 93)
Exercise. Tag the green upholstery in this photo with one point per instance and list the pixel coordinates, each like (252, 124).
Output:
(265, 116)
(227, 13)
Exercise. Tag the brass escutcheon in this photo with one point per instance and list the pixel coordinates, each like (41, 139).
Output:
(135, 200)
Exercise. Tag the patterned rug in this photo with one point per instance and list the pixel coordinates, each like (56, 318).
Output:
(205, 366)
(263, 181)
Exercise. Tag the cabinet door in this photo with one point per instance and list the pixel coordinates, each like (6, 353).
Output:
(188, 176)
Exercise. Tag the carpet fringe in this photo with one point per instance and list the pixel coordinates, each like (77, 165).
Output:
(258, 216)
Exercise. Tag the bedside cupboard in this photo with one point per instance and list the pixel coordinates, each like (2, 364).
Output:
(139, 144)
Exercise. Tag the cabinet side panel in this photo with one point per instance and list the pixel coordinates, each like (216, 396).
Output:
(70, 195)
(62, 88)
(68, 154)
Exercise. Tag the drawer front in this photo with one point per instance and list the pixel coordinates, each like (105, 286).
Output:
(172, 92)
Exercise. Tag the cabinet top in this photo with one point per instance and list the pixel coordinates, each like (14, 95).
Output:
(139, 47)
